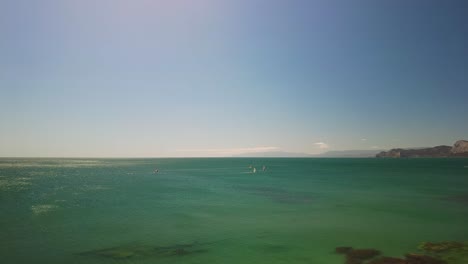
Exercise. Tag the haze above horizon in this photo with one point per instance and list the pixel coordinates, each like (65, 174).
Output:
(117, 78)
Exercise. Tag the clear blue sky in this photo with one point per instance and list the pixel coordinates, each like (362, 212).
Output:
(117, 78)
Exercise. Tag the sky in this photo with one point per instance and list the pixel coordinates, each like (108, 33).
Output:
(154, 78)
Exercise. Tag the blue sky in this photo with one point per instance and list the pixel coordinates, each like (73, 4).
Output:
(141, 78)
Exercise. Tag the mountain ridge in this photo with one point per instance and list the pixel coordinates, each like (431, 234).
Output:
(329, 154)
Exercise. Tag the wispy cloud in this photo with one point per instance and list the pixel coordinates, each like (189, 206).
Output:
(229, 151)
(363, 139)
(321, 145)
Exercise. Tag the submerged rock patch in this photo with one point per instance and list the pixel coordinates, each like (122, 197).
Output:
(343, 250)
(357, 256)
(422, 259)
(388, 260)
(140, 251)
(450, 251)
(372, 256)
(442, 246)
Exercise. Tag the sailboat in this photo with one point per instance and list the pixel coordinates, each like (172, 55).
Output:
(254, 170)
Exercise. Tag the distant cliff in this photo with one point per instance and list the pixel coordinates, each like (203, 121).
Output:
(459, 149)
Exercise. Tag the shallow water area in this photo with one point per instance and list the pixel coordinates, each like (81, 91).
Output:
(216, 210)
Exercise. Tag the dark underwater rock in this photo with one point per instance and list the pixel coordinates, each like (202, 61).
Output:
(174, 247)
(138, 251)
(388, 260)
(358, 256)
(122, 252)
(363, 253)
(422, 259)
(343, 250)
(370, 256)
(410, 259)
(181, 252)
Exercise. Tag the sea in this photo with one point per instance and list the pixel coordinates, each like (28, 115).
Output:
(218, 210)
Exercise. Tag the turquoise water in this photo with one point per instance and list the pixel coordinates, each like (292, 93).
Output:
(215, 210)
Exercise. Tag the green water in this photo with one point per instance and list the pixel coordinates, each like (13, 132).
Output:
(297, 211)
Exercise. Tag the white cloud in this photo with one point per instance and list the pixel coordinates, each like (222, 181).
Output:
(230, 151)
(363, 139)
(321, 145)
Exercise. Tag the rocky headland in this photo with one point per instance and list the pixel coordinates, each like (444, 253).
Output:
(459, 149)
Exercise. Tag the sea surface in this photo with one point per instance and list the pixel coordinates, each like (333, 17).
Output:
(216, 210)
